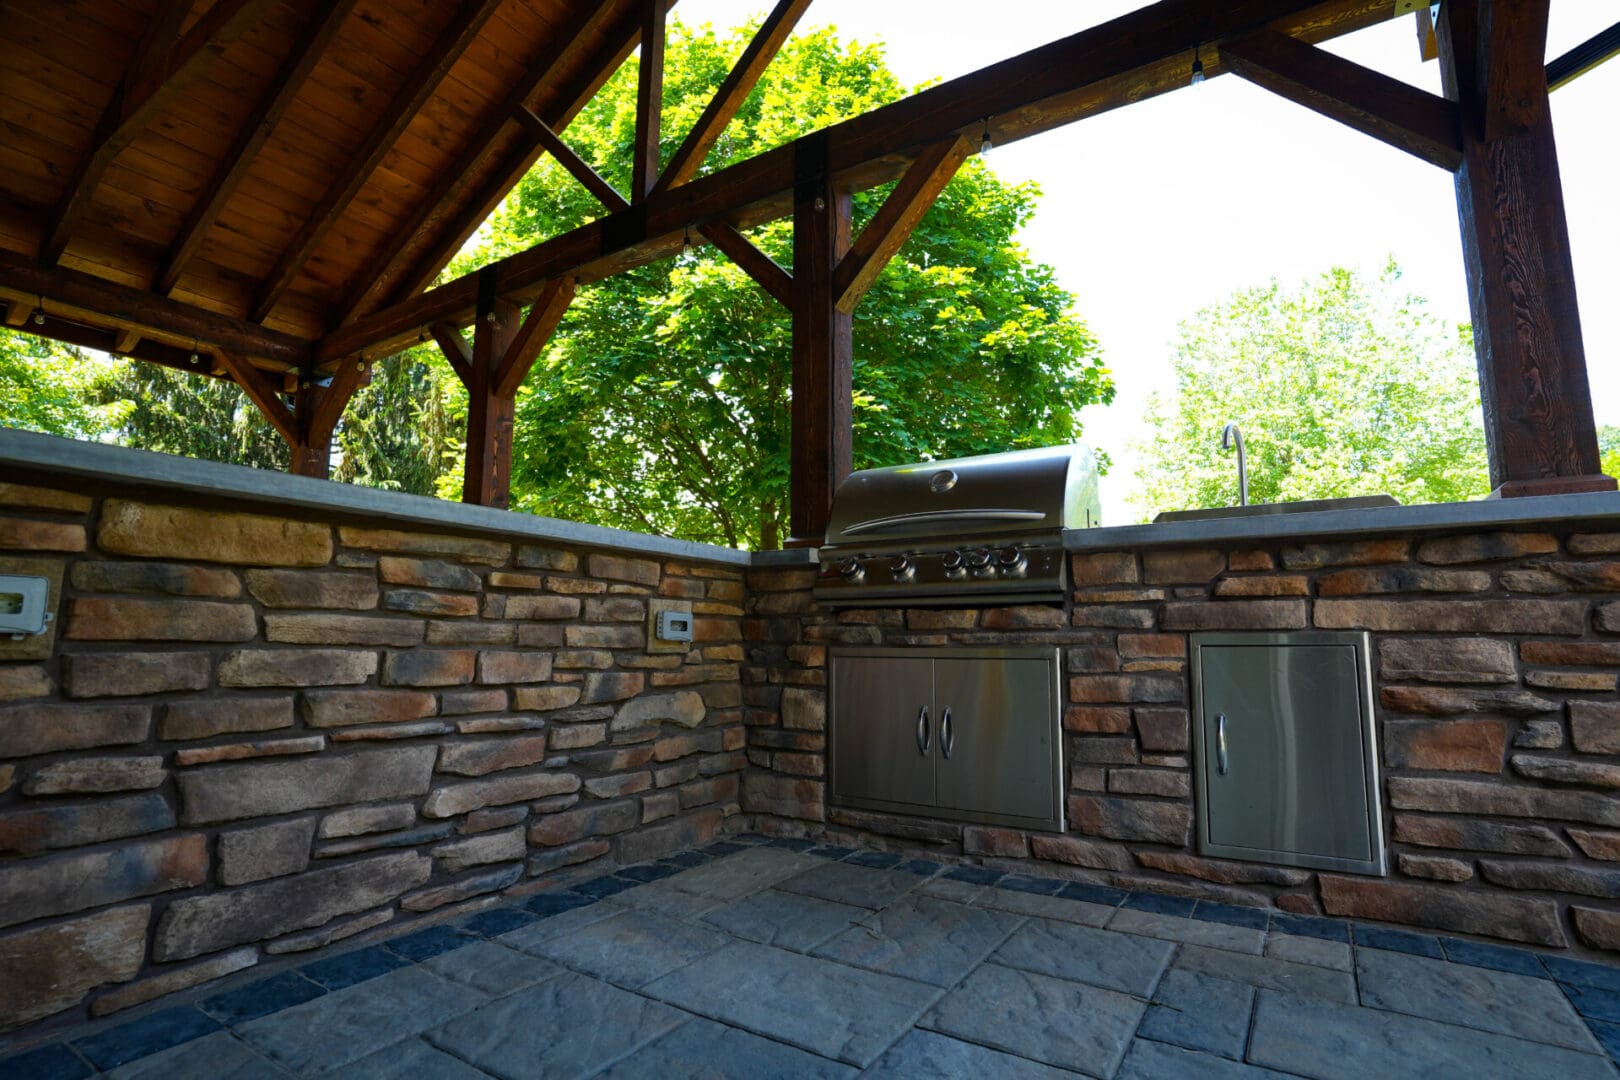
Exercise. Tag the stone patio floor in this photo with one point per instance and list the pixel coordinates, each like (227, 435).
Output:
(765, 958)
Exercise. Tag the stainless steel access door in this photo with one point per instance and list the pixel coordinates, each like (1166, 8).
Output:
(1286, 761)
(883, 729)
(995, 736)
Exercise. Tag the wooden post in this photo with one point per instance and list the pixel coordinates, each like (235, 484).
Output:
(1539, 429)
(490, 415)
(822, 352)
(317, 414)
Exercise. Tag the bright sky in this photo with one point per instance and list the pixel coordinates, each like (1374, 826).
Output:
(1155, 210)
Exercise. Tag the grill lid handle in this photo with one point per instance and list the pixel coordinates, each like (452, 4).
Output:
(934, 517)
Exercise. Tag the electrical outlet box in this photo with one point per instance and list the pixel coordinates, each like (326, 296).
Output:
(22, 605)
(674, 625)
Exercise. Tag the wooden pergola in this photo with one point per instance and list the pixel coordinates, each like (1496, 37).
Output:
(265, 190)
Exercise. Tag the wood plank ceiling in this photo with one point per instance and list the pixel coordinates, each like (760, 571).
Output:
(285, 165)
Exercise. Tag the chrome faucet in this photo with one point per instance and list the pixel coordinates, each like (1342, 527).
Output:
(1230, 435)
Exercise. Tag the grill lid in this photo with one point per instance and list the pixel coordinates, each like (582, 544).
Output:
(1012, 494)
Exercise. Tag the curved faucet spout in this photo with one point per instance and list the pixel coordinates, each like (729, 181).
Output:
(1230, 435)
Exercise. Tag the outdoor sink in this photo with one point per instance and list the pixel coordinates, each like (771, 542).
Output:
(1359, 502)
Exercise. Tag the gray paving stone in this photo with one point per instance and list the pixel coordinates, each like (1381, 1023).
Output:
(827, 1008)
(1269, 973)
(529, 937)
(570, 1026)
(665, 899)
(860, 886)
(1099, 957)
(704, 1050)
(329, 1032)
(963, 892)
(491, 968)
(922, 938)
(940, 1057)
(218, 1056)
(786, 920)
(1193, 931)
(1309, 950)
(1200, 1012)
(1330, 1041)
(745, 872)
(1156, 1061)
(1499, 1001)
(1062, 1023)
(412, 1059)
(1045, 907)
(632, 948)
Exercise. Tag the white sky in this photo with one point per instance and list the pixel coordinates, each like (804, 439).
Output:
(1155, 210)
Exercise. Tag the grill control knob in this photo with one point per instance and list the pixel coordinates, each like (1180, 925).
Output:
(1013, 563)
(980, 562)
(852, 570)
(954, 564)
(902, 568)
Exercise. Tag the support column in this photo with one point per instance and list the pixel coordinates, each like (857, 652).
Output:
(822, 357)
(488, 479)
(1539, 429)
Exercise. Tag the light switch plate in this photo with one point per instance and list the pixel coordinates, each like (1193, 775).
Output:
(22, 605)
(660, 611)
(34, 646)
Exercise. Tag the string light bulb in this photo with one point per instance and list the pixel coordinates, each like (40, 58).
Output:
(194, 356)
(39, 313)
(421, 339)
(985, 145)
(1198, 67)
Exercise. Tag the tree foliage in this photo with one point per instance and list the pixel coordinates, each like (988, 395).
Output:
(175, 412)
(1609, 449)
(56, 389)
(663, 402)
(1344, 386)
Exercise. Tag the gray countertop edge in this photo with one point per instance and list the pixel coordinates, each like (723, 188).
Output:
(1592, 509)
(50, 455)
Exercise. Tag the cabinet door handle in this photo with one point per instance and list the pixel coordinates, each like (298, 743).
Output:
(922, 731)
(1221, 763)
(947, 737)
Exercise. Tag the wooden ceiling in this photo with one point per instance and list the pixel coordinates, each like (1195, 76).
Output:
(284, 164)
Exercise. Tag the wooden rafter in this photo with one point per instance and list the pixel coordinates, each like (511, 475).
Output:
(531, 338)
(144, 349)
(1421, 123)
(164, 63)
(263, 391)
(283, 88)
(317, 425)
(124, 306)
(733, 91)
(889, 228)
(1138, 55)
(1600, 47)
(649, 100)
(565, 156)
(765, 271)
(434, 214)
(457, 353)
(424, 79)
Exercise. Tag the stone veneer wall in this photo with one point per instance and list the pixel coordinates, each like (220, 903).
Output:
(1495, 662)
(257, 735)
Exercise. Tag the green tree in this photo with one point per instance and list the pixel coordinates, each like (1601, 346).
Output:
(1609, 449)
(1346, 385)
(400, 431)
(662, 404)
(176, 412)
(56, 389)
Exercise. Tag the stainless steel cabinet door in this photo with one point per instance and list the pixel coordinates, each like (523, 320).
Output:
(995, 736)
(884, 729)
(1285, 745)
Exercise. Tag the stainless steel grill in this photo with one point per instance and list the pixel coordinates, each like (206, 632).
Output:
(970, 531)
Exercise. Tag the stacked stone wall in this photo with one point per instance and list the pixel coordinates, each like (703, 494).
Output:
(1495, 659)
(250, 735)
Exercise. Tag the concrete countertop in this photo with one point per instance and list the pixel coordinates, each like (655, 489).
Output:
(1598, 511)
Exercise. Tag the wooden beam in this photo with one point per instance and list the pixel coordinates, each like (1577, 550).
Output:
(589, 178)
(891, 226)
(455, 350)
(436, 213)
(319, 408)
(419, 86)
(17, 313)
(126, 340)
(147, 350)
(733, 91)
(132, 307)
(649, 101)
(1389, 110)
(488, 478)
(1600, 47)
(163, 65)
(283, 88)
(767, 273)
(1428, 44)
(532, 336)
(1138, 55)
(262, 390)
(1539, 430)
(823, 352)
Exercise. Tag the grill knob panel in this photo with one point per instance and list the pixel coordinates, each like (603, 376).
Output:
(1013, 563)
(982, 562)
(852, 570)
(901, 568)
(954, 563)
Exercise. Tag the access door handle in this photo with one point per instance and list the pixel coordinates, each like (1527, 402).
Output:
(1221, 764)
(923, 738)
(947, 737)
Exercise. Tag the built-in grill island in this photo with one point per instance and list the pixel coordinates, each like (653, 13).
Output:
(966, 532)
